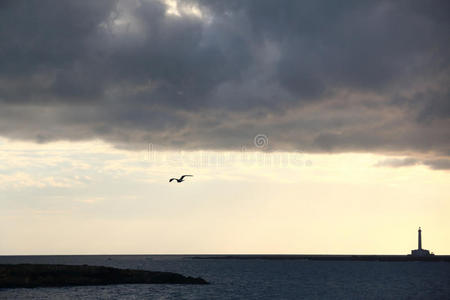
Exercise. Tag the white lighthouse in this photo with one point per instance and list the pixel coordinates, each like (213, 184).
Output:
(419, 251)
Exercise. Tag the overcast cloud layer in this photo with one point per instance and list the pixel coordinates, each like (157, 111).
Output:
(319, 76)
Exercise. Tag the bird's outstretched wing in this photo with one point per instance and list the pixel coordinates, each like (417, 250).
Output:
(170, 180)
(182, 177)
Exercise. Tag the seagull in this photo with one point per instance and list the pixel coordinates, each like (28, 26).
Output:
(181, 179)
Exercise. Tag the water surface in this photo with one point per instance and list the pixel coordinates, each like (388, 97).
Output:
(253, 279)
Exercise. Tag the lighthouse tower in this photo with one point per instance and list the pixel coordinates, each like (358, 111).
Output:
(419, 251)
(420, 239)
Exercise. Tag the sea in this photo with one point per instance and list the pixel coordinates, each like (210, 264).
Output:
(252, 279)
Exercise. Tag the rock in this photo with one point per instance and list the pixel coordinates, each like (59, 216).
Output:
(37, 275)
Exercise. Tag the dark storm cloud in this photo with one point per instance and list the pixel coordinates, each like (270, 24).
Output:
(320, 76)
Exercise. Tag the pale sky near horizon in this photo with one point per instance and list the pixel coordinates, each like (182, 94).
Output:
(309, 126)
(89, 198)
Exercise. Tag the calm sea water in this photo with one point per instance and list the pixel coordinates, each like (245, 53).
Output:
(254, 279)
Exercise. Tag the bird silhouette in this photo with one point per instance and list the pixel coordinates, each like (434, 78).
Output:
(181, 179)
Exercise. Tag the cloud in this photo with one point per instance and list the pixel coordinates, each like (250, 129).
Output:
(367, 76)
(398, 162)
(20, 180)
(438, 164)
(435, 164)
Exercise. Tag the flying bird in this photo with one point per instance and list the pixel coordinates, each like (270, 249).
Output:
(181, 179)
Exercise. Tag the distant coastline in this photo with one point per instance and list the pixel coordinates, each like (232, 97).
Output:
(20, 259)
(327, 257)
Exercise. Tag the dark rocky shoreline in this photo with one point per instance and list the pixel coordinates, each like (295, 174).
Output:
(45, 275)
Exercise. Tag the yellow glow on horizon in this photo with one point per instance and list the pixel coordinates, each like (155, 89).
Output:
(118, 201)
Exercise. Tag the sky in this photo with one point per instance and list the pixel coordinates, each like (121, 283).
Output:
(309, 126)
